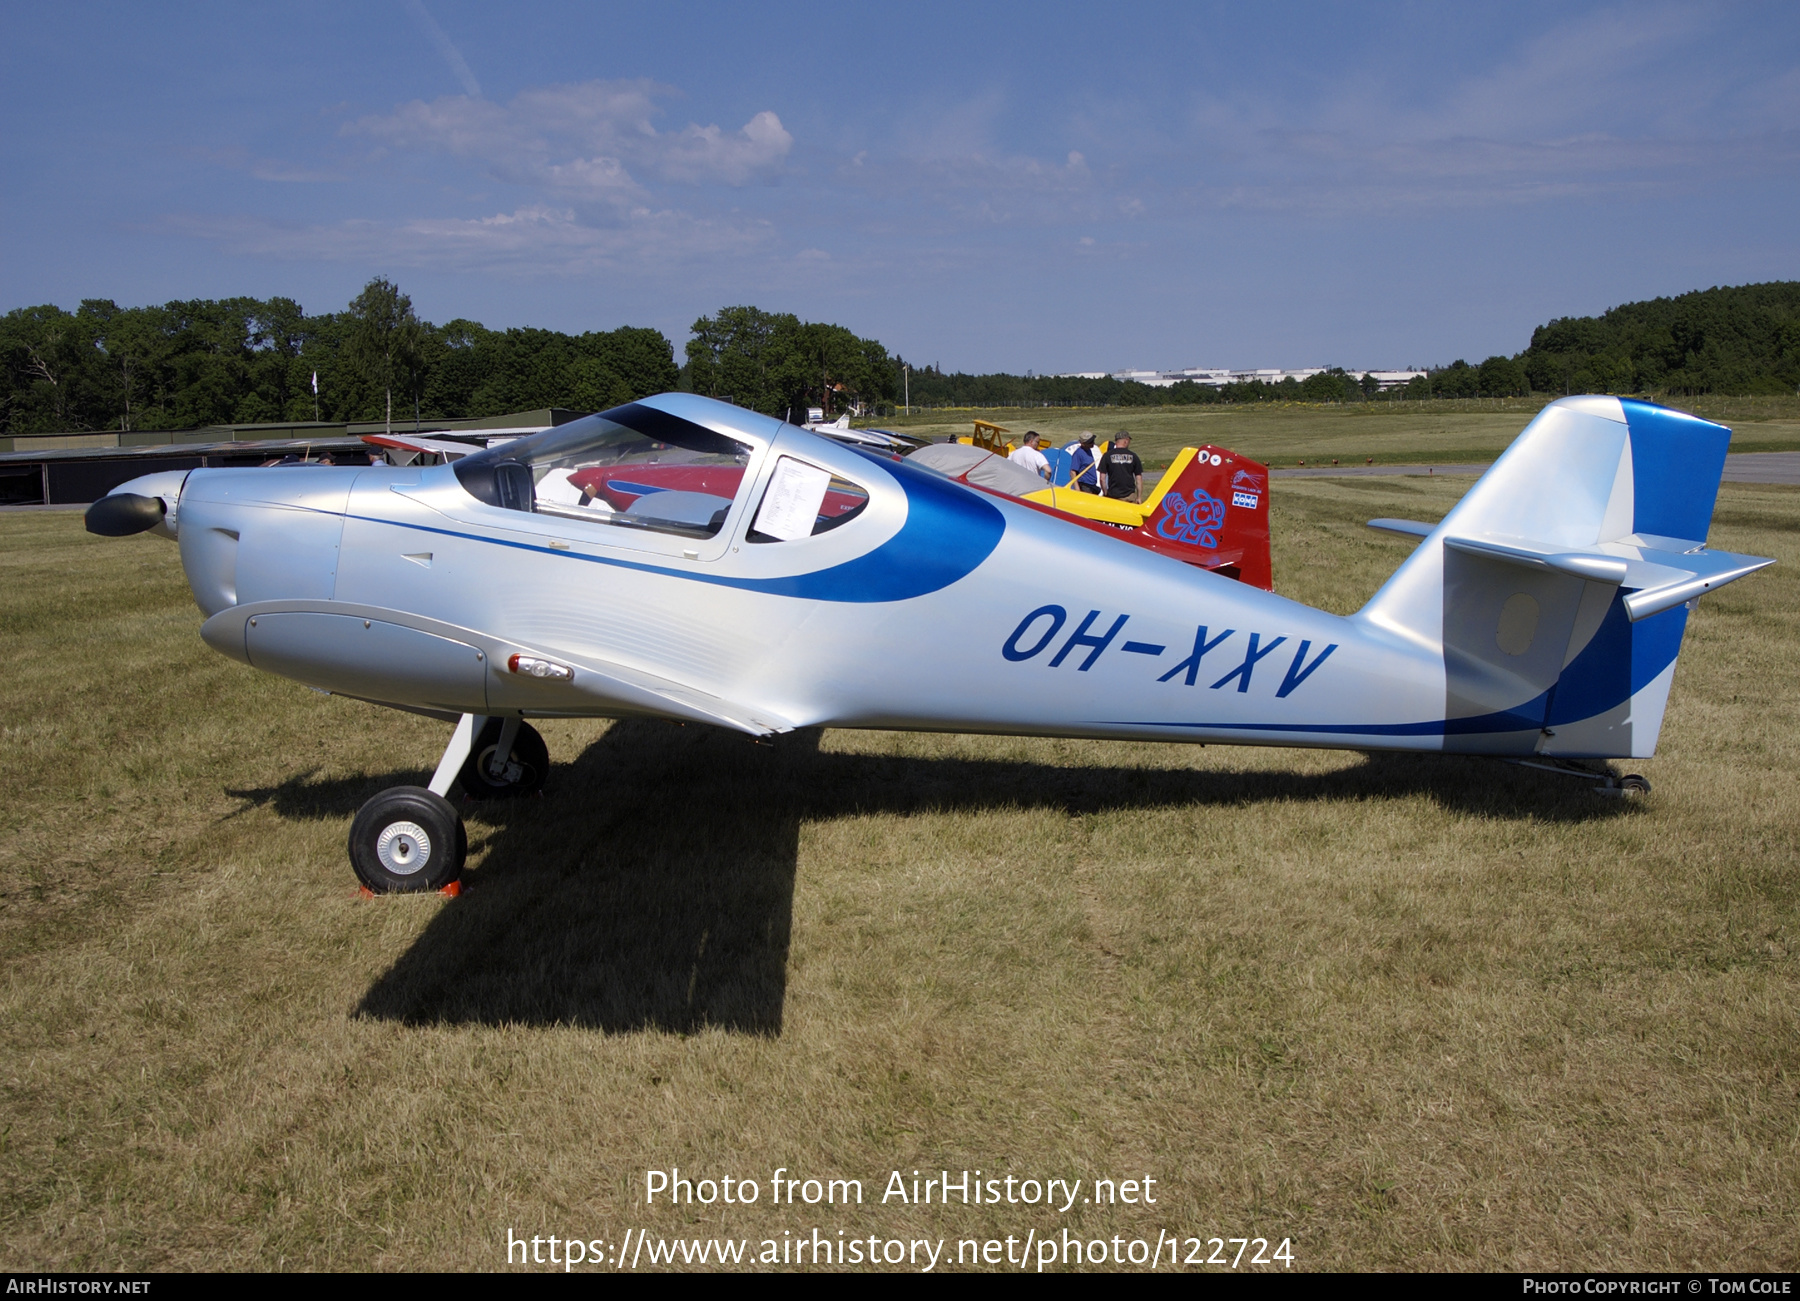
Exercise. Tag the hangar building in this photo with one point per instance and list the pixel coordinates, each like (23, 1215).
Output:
(73, 469)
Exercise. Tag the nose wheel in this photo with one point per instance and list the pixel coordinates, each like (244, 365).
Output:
(509, 759)
(411, 838)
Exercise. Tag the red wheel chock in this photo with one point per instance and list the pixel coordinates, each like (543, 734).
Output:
(451, 891)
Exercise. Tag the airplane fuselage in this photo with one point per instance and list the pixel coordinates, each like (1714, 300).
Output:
(941, 608)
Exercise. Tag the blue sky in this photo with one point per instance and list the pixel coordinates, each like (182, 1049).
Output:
(1042, 187)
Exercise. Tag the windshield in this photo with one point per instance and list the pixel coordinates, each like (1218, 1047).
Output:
(633, 467)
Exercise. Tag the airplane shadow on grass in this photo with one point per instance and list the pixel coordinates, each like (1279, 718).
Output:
(652, 887)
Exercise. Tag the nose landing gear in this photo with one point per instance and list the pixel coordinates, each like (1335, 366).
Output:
(508, 759)
(410, 839)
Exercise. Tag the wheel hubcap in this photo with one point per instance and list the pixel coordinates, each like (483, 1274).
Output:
(403, 848)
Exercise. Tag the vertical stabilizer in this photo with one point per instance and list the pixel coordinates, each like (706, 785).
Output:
(1219, 501)
(1539, 588)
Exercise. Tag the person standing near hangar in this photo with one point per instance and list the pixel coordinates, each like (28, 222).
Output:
(1029, 456)
(1084, 465)
(1124, 472)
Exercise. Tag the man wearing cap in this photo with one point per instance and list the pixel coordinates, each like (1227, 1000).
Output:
(1124, 472)
(1029, 456)
(1084, 464)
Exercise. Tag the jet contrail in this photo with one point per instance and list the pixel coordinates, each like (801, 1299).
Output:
(452, 55)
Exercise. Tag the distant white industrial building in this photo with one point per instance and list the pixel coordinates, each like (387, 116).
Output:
(1219, 377)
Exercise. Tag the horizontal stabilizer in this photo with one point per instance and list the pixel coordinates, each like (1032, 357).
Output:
(1592, 565)
(1689, 575)
(1411, 528)
(1656, 579)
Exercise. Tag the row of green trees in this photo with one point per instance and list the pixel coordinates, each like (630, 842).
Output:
(1497, 377)
(244, 360)
(776, 363)
(1740, 340)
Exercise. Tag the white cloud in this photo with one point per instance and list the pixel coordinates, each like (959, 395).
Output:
(1330, 172)
(455, 124)
(707, 153)
(536, 239)
(944, 161)
(982, 186)
(589, 157)
(1606, 103)
(1582, 74)
(583, 140)
(603, 179)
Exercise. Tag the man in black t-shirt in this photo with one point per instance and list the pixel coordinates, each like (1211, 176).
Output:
(1124, 472)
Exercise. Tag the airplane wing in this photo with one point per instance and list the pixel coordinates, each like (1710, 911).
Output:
(881, 440)
(975, 466)
(1407, 528)
(443, 447)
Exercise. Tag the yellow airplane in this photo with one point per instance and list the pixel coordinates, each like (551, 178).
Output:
(1184, 515)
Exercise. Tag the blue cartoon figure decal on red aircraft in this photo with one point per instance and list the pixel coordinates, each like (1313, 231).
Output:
(1193, 519)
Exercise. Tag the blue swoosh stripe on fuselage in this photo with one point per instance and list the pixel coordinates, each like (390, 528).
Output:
(1620, 660)
(948, 531)
(1523, 718)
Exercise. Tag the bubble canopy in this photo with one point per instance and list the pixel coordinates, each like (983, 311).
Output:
(632, 467)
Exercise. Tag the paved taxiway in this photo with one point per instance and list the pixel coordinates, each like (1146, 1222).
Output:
(1745, 467)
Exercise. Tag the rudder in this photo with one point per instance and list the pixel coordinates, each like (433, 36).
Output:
(1230, 493)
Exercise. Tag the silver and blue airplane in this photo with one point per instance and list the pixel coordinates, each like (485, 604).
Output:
(686, 559)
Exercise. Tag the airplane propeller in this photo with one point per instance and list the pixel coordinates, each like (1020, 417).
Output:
(125, 513)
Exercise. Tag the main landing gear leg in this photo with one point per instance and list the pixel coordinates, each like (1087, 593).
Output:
(468, 727)
(409, 838)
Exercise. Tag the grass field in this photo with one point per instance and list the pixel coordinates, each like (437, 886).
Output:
(1403, 1012)
(1393, 433)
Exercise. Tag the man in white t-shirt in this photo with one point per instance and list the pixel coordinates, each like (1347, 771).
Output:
(1029, 456)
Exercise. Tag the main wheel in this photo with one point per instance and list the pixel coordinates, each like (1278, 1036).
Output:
(523, 772)
(407, 839)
